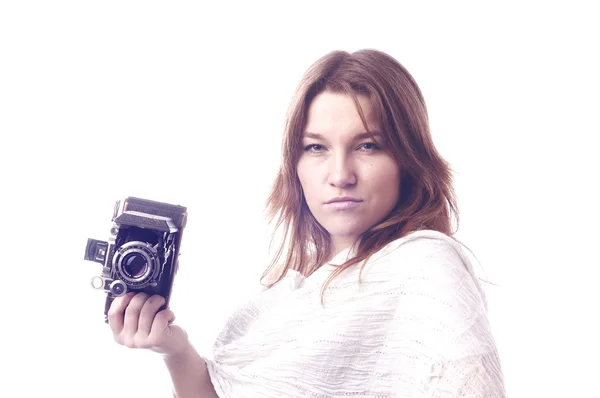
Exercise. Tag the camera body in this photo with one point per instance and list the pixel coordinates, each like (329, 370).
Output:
(142, 250)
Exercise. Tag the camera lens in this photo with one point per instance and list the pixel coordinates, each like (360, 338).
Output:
(134, 264)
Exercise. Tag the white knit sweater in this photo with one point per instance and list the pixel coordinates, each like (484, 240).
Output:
(415, 327)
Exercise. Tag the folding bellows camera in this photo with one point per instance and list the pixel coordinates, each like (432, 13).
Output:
(142, 250)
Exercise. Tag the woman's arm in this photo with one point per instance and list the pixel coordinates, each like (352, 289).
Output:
(440, 328)
(189, 375)
(136, 323)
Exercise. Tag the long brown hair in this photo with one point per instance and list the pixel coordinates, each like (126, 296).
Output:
(427, 198)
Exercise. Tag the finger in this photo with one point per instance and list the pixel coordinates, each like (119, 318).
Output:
(148, 312)
(132, 314)
(162, 320)
(117, 310)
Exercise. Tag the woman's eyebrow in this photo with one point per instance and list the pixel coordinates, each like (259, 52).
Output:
(364, 135)
(313, 135)
(360, 136)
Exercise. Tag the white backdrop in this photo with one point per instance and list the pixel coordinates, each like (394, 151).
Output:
(184, 102)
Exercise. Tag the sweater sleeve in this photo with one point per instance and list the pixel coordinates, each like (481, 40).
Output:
(440, 327)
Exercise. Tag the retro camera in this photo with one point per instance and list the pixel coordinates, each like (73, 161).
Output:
(142, 251)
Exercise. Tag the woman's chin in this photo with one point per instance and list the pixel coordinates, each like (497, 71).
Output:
(344, 235)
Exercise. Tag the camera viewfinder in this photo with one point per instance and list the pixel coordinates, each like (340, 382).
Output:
(96, 251)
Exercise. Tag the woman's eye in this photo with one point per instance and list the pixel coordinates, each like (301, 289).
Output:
(313, 148)
(369, 146)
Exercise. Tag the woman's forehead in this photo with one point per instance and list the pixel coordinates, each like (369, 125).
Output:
(330, 112)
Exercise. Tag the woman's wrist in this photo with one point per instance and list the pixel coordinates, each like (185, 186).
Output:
(183, 354)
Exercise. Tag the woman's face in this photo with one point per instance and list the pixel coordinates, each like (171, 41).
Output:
(350, 182)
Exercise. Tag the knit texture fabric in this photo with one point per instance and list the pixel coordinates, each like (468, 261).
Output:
(415, 326)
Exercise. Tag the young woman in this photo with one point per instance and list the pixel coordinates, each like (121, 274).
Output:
(369, 294)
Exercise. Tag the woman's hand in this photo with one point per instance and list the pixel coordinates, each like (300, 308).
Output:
(135, 323)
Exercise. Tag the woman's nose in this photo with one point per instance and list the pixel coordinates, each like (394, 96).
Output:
(341, 172)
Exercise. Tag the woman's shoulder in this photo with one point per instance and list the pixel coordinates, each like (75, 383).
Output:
(423, 243)
(425, 259)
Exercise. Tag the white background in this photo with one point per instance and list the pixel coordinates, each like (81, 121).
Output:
(184, 103)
